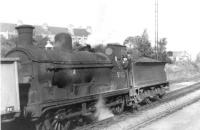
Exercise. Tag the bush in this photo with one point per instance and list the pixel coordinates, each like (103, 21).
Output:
(180, 70)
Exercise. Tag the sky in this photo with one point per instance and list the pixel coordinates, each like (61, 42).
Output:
(114, 20)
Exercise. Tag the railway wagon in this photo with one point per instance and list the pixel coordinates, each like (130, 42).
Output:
(60, 87)
(10, 102)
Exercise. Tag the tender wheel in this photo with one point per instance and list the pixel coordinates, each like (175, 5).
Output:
(157, 97)
(136, 107)
(119, 108)
(147, 101)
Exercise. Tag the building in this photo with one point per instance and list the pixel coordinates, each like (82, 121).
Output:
(49, 31)
(180, 56)
(80, 35)
(7, 29)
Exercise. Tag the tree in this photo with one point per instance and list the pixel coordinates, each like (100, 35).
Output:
(132, 42)
(76, 46)
(139, 45)
(161, 50)
(162, 45)
(40, 41)
(7, 44)
(145, 46)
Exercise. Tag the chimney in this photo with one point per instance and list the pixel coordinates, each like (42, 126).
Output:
(25, 35)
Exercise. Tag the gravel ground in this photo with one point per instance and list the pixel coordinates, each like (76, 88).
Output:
(185, 119)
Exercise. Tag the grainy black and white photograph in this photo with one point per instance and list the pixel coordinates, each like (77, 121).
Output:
(100, 64)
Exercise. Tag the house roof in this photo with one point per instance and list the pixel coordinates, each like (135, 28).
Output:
(80, 32)
(52, 30)
(56, 30)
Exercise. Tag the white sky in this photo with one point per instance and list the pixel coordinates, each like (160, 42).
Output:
(114, 20)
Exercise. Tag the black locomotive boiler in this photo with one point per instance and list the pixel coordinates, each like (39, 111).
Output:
(60, 85)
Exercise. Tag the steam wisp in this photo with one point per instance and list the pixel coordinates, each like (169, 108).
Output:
(102, 112)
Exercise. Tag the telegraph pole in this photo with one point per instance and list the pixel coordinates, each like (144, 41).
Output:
(156, 28)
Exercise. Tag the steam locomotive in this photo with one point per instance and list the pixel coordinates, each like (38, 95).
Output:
(59, 86)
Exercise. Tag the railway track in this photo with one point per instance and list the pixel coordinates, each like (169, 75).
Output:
(143, 113)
